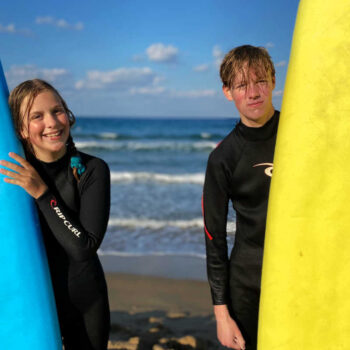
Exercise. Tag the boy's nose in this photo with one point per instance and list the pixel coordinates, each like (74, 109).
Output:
(253, 91)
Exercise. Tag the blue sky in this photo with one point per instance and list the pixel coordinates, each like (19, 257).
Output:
(140, 58)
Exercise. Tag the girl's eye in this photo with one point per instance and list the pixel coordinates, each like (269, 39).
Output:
(35, 116)
(59, 111)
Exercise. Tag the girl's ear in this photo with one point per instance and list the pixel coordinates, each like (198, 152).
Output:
(24, 133)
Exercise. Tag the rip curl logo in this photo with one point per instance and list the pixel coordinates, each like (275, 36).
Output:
(53, 204)
(268, 170)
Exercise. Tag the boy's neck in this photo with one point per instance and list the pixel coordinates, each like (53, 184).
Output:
(257, 123)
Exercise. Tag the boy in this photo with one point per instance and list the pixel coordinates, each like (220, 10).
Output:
(240, 170)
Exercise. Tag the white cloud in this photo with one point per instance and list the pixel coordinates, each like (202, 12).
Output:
(161, 53)
(60, 23)
(164, 92)
(44, 20)
(269, 45)
(153, 90)
(193, 93)
(11, 29)
(281, 64)
(121, 78)
(218, 55)
(158, 79)
(161, 91)
(201, 68)
(57, 76)
(217, 52)
(277, 93)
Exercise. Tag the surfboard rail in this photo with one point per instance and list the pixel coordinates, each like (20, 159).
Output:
(28, 318)
(305, 297)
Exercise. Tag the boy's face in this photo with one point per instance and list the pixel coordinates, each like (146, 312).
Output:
(253, 98)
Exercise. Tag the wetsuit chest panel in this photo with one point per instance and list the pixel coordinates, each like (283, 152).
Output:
(68, 189)
(252, 176)
(250, 189)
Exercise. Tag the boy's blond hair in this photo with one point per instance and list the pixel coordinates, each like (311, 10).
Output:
(243, 59)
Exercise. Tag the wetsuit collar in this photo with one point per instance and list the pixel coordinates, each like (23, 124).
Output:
(51, 167)
(265, 132)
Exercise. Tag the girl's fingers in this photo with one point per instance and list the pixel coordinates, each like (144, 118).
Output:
(11, 166)
(20, 159)
(11, 181)
(9, 173)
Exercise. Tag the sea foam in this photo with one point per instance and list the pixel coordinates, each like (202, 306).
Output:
(146, 146)
(197, 178)
(133, 223)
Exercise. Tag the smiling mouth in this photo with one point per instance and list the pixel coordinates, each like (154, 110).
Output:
(54, 135)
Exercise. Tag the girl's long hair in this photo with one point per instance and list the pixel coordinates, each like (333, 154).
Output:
(27, 92)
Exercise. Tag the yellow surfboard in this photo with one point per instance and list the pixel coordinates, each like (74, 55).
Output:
(305, 300)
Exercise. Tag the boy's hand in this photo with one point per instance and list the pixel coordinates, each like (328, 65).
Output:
(23, 175)
(228, 332)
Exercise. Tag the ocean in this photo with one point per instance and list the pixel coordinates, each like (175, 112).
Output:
(157, 174)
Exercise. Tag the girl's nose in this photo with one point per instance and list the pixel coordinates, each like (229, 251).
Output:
(51, 120)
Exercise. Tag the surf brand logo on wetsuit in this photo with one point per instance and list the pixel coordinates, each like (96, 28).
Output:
(268, 170)
(53, 204)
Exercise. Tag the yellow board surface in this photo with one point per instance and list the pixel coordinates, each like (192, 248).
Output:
(305, 299)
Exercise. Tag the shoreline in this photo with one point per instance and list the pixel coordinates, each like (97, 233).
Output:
(166, 266)
(133, 293)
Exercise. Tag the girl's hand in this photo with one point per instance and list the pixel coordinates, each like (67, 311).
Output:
(23, 175)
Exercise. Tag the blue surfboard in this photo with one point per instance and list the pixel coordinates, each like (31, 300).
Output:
(28, 318)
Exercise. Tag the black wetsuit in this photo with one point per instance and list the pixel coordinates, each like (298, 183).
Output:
(240, 170)
(74, 219)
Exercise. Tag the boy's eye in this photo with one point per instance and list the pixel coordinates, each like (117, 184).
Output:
(241, 86)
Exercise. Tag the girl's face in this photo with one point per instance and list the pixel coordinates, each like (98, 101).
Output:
(47, 127)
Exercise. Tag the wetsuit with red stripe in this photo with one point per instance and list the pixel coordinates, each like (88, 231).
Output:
(74, 219)
(239, 170)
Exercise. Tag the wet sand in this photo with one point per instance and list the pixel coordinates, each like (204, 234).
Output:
(151, 311)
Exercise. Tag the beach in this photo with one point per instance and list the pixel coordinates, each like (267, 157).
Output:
(152, 311)
(153, 252)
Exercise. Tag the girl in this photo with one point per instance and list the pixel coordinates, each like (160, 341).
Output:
(72, 193)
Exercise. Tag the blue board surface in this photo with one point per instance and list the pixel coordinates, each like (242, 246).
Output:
(28, 318)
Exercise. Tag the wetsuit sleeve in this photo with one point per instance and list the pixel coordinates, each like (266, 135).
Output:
(215, 207)
(80, 234)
